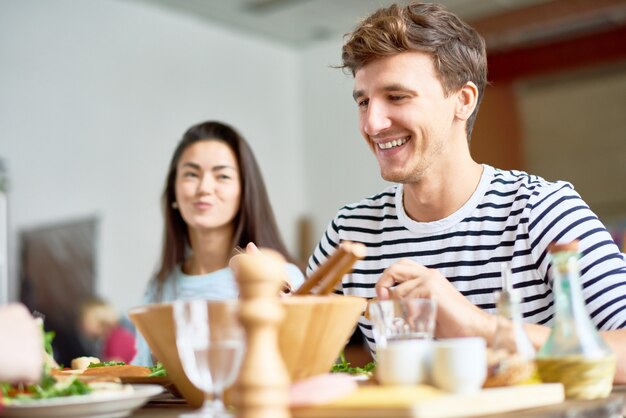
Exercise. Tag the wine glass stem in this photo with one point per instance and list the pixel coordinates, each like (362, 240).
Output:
(218, 400)
(205, 411)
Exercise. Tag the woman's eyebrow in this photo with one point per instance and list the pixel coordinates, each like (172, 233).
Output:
(222, 167)
(196, 166)
(192, 165)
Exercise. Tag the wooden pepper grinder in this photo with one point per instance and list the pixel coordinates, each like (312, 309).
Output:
(263, 384)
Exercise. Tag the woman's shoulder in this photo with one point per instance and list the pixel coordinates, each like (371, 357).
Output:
(162, 290)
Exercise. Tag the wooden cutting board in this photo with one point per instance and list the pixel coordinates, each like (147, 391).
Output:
(423, 401)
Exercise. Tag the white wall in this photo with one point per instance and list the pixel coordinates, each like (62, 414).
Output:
(339, 166)
(94, 95)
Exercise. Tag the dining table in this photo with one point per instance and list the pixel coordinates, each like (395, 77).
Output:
(168, 406)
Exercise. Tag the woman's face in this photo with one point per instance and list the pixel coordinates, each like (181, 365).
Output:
(208, 188)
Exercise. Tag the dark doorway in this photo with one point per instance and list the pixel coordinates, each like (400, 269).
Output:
(57, 273)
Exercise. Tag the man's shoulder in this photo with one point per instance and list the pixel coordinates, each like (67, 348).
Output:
(532, 191)
(516, 180)
(517, 177)
(380, 200)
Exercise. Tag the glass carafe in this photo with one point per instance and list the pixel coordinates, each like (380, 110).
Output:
(511, 355)
(574, 354)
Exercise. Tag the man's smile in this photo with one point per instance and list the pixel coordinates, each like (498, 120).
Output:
(393, 143)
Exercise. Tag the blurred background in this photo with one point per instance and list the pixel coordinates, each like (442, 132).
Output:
(95, 94)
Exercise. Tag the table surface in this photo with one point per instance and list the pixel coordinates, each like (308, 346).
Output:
(613, 407)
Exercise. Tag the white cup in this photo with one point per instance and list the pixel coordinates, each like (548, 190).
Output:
(459, 365)
(403, 362)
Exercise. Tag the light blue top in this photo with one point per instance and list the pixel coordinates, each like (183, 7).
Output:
(217, 285)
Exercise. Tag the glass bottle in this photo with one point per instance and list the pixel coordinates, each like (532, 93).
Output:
(511, 357)
(574, 354)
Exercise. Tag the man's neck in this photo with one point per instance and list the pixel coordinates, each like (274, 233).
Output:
(442, 191)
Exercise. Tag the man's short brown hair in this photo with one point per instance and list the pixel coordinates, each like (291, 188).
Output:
(458, 51)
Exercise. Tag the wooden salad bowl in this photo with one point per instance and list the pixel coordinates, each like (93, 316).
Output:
(311, 336)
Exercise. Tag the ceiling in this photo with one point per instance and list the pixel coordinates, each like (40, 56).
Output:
(302, 22)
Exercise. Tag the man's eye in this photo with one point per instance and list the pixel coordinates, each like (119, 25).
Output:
(395, 98)
(362, 103)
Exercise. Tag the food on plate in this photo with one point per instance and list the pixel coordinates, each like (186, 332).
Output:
(81, 363)
(47, 387)
(48, 358)
(52, 383)
(92, 366)
(123, 370)
(345, 367)
(158, 370)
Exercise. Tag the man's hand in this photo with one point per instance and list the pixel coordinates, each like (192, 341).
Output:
(456, 316)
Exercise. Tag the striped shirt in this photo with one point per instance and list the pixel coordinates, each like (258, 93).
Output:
(512, 217)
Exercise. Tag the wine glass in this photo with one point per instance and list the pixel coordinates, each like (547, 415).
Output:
(210, 342)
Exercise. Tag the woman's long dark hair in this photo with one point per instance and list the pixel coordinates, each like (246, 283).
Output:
(254, 221)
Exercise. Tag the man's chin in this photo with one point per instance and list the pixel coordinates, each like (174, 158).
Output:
(393, 177)
(396, 177)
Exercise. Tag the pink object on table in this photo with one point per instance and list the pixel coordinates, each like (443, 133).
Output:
(321, 389)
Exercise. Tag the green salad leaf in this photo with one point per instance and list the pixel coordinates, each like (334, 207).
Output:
(105, 364)
(344, 366)
(47, 340)
(157, 370)
(48, 387)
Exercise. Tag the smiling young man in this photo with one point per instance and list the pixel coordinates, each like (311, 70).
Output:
(447, 225)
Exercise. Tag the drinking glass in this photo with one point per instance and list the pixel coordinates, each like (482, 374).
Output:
(403, 330)
(402, 319)
(210, 342)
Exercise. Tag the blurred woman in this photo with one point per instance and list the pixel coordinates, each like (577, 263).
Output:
(214, 202)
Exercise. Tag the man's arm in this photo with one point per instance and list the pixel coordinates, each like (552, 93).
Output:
(617, 341)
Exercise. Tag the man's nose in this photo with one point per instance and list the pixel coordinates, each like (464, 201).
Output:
(375, 119)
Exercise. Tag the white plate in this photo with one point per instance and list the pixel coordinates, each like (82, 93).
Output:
(96, 405)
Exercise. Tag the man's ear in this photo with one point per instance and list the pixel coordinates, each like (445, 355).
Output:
(467, 98)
